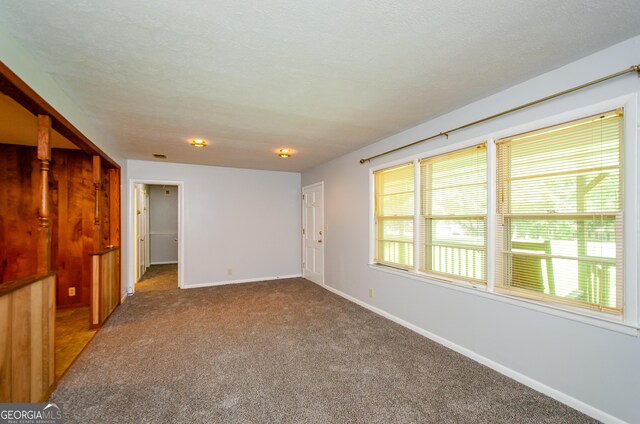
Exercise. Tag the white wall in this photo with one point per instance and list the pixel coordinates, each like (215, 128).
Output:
(592, 368)
(244, 220)
(163, 222)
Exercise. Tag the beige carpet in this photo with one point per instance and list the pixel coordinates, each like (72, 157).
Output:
(279, 351)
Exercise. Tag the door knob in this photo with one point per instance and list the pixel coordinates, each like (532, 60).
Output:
(319, 241)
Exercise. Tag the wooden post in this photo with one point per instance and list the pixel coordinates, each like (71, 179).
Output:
(97, 185)
(114, 206)
(114, 222)
(44, 231)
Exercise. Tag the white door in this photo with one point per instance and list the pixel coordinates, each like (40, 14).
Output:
(313, 233)
(136, 232)
(141, 230)
(147, 231)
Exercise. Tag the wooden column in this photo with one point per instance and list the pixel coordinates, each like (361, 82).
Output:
(114, 223)
(44, 230)
(97, 185)
(114, 206)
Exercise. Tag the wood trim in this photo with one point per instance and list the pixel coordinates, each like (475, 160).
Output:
(9, 286)
(13, 86)
(105, 251)
(44, 137)
(114, 220)
(95, 292)
(97, 169)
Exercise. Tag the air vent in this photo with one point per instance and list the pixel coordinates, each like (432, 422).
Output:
(159, 156)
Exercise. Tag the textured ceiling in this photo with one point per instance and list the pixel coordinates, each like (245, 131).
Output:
(322, 77)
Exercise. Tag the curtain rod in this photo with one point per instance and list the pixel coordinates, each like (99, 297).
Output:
(635, 68)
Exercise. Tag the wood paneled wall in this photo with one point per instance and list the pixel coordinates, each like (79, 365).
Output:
(27, 344)
(72, 223)
(19, 173)
(72, 218)
(105, 285)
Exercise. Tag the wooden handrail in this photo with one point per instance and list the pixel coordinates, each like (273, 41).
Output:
(9, 286)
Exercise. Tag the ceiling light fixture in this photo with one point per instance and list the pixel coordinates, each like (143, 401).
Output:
(198, 142)
(284, 153)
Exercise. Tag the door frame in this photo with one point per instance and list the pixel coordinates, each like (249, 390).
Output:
(321, 185)
(131, 214)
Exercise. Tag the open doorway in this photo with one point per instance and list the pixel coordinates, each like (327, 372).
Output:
(155, 235)
(60, 213)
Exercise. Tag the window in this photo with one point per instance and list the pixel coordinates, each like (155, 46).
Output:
(453, 214)
(394, 214)
(560, 213)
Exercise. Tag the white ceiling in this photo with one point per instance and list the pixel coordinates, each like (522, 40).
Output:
(322, 77)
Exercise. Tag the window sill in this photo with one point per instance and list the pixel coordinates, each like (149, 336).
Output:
(573, 314)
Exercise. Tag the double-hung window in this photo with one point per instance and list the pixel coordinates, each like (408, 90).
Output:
(453, 212)
(559, 194)
(394, 215)
(558, 215)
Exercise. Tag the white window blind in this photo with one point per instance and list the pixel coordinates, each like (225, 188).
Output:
(559, 195)
(394, 215)
(453, 214)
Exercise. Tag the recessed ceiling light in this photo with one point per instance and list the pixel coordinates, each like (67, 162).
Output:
(284, 152)
(198, 142)
(159, 156)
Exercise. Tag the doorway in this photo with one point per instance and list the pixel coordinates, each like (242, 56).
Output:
(155, 229)
(313, 230)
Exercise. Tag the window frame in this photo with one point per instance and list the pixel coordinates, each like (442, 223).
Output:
(421, 217)
(629, 321)
(503, 244)
(377, 219)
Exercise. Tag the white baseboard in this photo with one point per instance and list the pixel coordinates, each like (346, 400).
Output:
(163, 263)
(248, 280)
(521, 378)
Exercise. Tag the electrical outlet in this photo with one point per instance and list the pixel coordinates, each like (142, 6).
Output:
(72, 291)
(371, 293)
(229, 271)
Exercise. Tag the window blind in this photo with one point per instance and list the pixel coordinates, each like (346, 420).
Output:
(560, 226)
(453, 214)
(394, 215)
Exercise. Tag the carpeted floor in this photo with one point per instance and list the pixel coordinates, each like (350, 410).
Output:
(279, 351)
